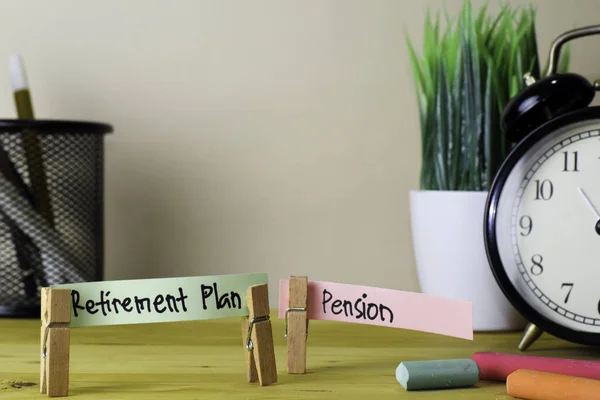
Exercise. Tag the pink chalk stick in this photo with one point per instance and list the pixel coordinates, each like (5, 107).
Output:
(385, 307)
(497, 366)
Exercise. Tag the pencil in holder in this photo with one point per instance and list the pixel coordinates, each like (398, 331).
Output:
(54, 235)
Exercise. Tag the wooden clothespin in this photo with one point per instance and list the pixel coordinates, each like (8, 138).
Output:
(296, 325)
(55, 341)
(258, 337)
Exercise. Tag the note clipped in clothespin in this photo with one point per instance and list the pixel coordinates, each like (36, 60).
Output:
(55, 341)
(258, 337)
(296, 325)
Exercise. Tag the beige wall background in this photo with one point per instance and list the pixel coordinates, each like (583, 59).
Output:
(265, 135)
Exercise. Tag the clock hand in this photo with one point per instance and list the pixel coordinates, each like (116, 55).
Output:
(589, 203)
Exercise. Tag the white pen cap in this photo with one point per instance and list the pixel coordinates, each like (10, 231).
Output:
(18, 78)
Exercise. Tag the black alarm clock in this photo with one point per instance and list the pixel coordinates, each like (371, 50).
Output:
(542, 216)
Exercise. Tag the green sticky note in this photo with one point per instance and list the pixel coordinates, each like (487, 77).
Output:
(160, 300)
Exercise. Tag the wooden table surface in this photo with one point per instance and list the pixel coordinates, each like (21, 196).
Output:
(204, 360)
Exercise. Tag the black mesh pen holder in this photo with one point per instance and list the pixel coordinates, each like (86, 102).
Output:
(51, 209)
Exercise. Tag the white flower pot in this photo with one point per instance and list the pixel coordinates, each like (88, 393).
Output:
(447, 235)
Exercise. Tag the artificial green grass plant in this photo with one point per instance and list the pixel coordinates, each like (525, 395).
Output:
(464, 78)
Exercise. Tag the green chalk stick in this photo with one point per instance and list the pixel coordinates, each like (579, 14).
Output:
(437, 374)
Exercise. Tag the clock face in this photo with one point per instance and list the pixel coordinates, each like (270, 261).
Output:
(545, 231)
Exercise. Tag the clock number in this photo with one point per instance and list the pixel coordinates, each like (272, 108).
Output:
(537, 268)
(567, 161)
(570, 285)
(543, 189)
(526, 224)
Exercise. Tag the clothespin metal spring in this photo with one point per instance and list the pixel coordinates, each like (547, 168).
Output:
(291, 309)
(46, 330)
(249, 344)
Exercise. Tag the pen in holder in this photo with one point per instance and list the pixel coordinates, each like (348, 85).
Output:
(36, 252)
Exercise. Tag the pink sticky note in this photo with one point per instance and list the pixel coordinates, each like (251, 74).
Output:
(384, 307)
